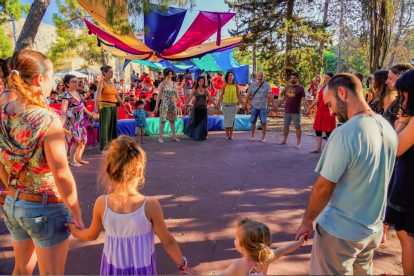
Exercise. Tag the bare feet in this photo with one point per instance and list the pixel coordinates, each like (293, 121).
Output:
(206, 137)
(82, 161)
(263, 140)
(297, 147)
(160, 141)
(384, 238)
(74, 164)
(227, 138)
(175, 139)
(143, 142)
(282, 143)
(232, 138)
(251, 139)
(104, 152)
(315, 151)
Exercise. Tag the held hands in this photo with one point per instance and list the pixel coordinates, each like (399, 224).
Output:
(75, 224)
(304, 231)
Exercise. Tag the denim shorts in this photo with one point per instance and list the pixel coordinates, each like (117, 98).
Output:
(288, 117)
(258, 112)
(43, 223)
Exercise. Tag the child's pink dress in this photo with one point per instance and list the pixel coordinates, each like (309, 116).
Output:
(129, 243)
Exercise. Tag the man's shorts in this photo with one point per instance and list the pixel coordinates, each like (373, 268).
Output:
(140, 131)
(288, 117)
(258, 112)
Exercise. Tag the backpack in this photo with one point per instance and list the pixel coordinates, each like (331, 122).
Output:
(189, 82)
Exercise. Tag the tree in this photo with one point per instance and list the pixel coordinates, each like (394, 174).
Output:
(73, 39)
(7, 8)
(30, 27)
(284, 32)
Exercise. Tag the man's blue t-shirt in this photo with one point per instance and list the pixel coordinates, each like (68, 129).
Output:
(140, 117)
(359, 157)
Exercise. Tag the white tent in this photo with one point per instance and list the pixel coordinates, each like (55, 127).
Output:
(70, 72)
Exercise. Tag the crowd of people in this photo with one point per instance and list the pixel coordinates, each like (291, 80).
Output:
(364, 184)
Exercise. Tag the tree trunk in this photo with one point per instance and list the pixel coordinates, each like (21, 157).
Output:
(380, 37)
(398, 36)
(30, 27)
(325, 19)
(254, 56)
(289, 37)
(254, 60)
(341, 22)
(104, 61)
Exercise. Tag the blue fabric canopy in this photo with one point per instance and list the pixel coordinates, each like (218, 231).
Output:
(177, 68)
(163, 26)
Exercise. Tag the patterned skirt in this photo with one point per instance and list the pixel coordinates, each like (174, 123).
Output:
(229, 112)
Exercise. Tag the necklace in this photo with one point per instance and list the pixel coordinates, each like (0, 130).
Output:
(362, 111)
(109, 84)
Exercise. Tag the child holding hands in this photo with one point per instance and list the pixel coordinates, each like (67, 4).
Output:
(253, 240)
(140, 120)
(129, 217)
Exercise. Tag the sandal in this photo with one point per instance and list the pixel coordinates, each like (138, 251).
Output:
(74, 164)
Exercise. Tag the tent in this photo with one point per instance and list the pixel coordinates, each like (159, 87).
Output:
(70, 72)
(88, 71)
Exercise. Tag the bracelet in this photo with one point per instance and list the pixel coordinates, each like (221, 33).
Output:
(402, 122)
(96, 110)
(1, 191)
(186, 265)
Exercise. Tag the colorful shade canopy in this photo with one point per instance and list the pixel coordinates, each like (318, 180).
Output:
(162, 28)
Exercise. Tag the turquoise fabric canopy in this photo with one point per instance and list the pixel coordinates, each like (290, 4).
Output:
(216, 62)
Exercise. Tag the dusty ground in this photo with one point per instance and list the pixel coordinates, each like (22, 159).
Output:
(205, 188)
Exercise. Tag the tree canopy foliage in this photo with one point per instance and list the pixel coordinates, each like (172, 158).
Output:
(359, 35)
(73, 39)
(7, 8)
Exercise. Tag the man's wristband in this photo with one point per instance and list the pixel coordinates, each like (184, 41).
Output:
(186, 265)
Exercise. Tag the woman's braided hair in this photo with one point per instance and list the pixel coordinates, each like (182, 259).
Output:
(28, 64)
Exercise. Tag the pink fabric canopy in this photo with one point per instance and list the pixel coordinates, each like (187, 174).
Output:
(203, 27)
(111, 39)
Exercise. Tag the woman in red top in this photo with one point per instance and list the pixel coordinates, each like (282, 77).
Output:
(324, 122)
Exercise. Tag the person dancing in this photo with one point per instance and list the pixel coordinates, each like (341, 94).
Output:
(106, 102)
(230, 97)
(168, 110)
(324, 121)
(400, 210)
(196, 127)
(73, 117)
(33, 164)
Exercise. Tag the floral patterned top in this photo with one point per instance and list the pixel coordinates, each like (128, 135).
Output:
(168, 110)
(22, 137)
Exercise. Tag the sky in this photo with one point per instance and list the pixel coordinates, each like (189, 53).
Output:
(203, 5)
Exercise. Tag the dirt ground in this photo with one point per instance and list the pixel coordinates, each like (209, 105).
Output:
(204, 189)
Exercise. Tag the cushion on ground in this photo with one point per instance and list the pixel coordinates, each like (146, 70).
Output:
(213, 122)
(242, 123)
(127, 127)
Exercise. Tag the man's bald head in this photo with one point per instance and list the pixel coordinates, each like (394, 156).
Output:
(260, 76)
